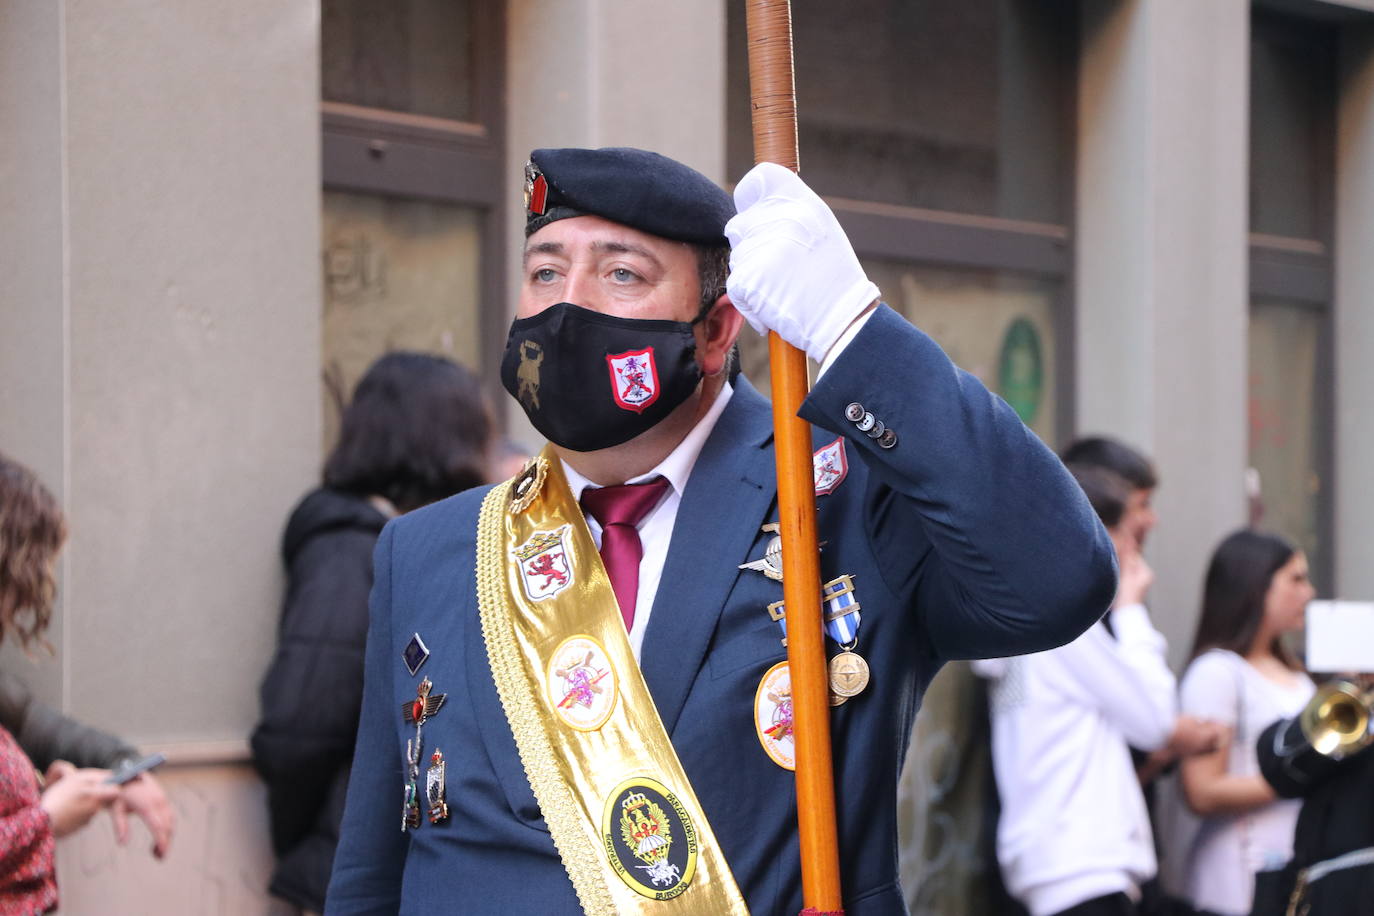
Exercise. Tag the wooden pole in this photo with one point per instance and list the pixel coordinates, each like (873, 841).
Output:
(773, 98)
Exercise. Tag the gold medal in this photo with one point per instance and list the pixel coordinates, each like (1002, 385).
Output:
(848, 676)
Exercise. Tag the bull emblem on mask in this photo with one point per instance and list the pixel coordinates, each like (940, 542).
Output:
(527, 375)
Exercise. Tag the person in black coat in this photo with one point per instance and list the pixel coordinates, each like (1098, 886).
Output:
(1333, 845)
(418, 430)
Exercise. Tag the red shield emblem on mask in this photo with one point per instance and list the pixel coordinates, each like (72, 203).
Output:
(634, 378)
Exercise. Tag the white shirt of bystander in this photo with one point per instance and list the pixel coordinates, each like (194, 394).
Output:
(1074, 825)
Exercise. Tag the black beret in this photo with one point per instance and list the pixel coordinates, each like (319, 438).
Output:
(634, 187)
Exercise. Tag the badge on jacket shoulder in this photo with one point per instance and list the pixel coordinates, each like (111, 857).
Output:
(830, 466)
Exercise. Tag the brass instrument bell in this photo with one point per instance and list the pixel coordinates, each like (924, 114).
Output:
(1336, 721)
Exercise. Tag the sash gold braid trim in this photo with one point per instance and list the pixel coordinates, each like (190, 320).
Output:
(556, 802)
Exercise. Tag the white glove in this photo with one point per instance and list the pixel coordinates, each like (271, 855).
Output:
(792, 269)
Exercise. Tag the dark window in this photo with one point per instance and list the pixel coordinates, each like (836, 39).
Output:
(1292, 154)
(957, 106)
(1292, 185)
(942, 132)
(413, 184)
(412, 56)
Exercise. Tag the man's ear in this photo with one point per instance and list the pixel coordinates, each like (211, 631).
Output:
(716, 335)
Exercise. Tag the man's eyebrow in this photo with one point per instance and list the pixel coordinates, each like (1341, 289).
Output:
(626, 248)
(542, 248)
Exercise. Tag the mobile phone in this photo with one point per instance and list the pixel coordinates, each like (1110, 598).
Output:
(131, 768)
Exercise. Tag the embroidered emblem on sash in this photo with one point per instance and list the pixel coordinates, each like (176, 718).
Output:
(581, 684)
(649, 838)
(773, 716)
(830, 467)
(634, 378)
(545, 569)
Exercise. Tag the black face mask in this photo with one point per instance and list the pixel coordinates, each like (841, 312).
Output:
(589, 381)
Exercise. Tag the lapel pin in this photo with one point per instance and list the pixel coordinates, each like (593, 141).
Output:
(425, 704)
(771, 563)
(415, 654)
(434, 788)
(415, 712)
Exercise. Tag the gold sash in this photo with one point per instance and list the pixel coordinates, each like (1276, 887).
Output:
(624, 818)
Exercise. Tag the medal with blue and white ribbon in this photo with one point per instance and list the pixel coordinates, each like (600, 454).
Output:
(849, 674)
(848, 671)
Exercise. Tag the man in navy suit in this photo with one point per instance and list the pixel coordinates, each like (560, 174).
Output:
(958, 533)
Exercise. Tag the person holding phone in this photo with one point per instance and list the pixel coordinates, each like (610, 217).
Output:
(33, 815)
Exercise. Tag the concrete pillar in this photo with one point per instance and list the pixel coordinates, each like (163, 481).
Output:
(159, 367)
(1354, 316)
(1161, 272)
(33, 287)
(645, 73)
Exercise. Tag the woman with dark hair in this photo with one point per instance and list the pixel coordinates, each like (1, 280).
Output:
(1244, 677)
(417, 430)
(32, 817)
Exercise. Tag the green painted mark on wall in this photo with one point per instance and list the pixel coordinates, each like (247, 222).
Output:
(1021, 370)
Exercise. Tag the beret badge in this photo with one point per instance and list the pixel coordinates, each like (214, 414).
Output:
(536, 189)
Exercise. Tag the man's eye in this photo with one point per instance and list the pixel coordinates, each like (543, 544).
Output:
(623, 275)
(544, 275)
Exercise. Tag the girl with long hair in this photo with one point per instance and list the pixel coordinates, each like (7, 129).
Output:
(1243, 676)
(34, 815)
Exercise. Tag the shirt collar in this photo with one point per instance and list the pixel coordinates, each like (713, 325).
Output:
(677, 467)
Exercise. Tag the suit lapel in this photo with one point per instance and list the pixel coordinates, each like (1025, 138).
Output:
(730, 489)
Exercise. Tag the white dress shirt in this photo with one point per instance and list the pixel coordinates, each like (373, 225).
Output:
(1074, 824)
(656, 528)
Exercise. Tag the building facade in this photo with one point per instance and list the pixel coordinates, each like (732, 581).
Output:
(1147, 218)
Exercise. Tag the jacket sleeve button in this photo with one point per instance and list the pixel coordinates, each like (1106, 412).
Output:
(888, 439)
(866, 423)
(854, 412)
(879, 428)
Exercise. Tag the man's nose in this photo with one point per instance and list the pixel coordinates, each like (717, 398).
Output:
(578, 288)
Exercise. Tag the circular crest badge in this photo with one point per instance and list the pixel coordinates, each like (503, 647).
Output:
(649, 838)
(581, 684)
(773, 716)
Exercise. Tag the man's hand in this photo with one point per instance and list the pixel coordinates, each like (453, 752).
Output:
(1136, 575)
(73, 796)
(143, 796)
(792, 269)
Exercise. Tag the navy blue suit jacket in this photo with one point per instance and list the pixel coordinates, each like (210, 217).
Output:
(968, 539)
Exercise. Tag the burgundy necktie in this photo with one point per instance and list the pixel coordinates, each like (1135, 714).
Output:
(619, 510)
